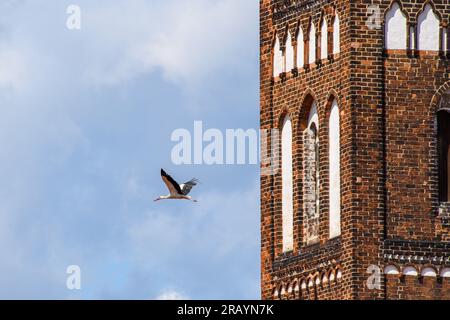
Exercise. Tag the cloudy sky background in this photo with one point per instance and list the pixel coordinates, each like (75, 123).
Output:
(85, 123)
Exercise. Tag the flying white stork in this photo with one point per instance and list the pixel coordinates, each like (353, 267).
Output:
(177, 191)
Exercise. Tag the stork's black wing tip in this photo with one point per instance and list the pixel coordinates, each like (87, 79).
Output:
(163, 173)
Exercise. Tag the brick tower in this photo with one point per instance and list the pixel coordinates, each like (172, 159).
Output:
(359, 207)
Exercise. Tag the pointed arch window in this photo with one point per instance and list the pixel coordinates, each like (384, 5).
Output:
(445, 40)
(300, 48)
(336, 35)
(324, 39)
(311, 181)
(428, 30)
(444, 154)
(287, 185)
(395, 28)
(334, 171)
(277, 58)
(312, 43)
(289, 53)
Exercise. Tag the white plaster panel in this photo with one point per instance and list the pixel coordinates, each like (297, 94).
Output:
(312, 44)
(334, 171)
(287, 185)
(289, 54)
(396, 28)
(336, 35)
(324, 40)
(428, 30)
(300, 49)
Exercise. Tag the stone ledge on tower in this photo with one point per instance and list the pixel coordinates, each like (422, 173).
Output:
(413, 268)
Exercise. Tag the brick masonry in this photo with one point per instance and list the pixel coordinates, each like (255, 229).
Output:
(390, 210)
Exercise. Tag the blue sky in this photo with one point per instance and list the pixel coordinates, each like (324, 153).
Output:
(85, 123)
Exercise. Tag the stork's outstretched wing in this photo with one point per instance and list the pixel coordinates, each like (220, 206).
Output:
(187, 187)
(172, 185)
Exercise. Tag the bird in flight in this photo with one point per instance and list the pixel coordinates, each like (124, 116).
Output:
(177, 191)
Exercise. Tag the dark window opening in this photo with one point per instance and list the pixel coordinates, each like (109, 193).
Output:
(444, 155)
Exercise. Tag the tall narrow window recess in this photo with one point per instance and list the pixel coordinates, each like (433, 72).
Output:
(395, 28)
(300, 49)
(312, 43)
(428, 30)
(444, 149)
(445, 38)
(412, 37)
(324, 39)
(287, 186)
(335, 171)
(311, 185)
(277, 58)
(336, 35)
(289, 53)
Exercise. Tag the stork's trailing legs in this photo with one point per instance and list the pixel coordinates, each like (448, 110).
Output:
(177, 191)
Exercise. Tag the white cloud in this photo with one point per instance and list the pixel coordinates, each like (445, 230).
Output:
(199, 38)
(13, 68)
(188, 40)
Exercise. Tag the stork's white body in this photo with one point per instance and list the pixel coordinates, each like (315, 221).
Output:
(177, 191)
(173, 197)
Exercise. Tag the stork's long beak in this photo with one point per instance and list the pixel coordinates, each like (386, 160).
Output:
(157, 199)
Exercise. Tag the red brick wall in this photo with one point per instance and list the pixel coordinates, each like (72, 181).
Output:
(387, 103)
(414, 288)
(294, 95)
(411, 130)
